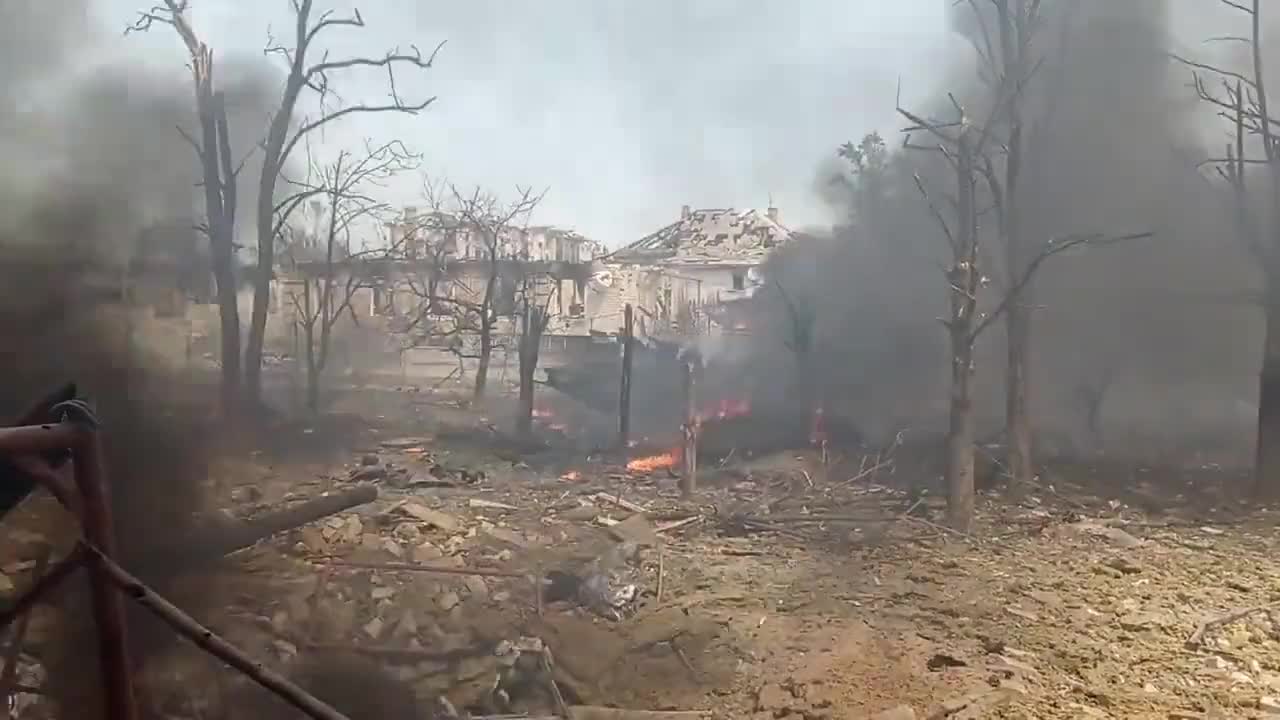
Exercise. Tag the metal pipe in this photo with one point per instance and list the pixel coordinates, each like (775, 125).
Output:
(31, 439)
(108, 606)
(210, 642)
(43, 586)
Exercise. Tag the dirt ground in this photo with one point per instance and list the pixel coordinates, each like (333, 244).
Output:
(785, 589)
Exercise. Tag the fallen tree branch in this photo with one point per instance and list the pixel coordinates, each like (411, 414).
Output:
(869, 472)
(213, 543)
(624, 504)
(410, 567)
(1197, 637)
(667, 527)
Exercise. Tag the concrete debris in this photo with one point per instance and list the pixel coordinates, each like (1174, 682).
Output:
(432, 518)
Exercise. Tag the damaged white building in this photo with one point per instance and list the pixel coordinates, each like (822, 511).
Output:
(690, 277)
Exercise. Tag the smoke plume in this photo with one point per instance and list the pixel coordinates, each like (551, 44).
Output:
(1116, 139)
(94, 159)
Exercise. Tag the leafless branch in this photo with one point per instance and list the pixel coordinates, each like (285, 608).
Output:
(1053, 247)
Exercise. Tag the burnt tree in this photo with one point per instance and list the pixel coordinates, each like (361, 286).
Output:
(1004, 34)
(961, 144)
(287, 129)
(468, 239)
(218, 177)
(965, 147)
(536, 293)
(1243, 99)
(802, 318)
(329, 272)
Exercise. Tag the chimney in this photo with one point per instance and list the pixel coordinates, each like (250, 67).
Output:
(410, 212)
(685, 212)
(772, 212)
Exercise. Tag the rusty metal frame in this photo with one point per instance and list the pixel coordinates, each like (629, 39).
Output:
(26, 445)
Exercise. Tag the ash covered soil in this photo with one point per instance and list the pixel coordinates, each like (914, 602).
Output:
(786, 589)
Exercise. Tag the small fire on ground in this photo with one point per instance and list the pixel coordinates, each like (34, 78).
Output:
(722, 410)
(650, 463)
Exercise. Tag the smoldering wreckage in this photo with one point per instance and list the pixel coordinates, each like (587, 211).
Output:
(676, 538)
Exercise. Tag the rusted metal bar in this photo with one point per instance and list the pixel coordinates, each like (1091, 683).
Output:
(13, 653)
(207, 640)
(43, 586)
(33, 470)
(108, 608)
(16, 480)
(213, 543)
(41, 410)
(34, 439)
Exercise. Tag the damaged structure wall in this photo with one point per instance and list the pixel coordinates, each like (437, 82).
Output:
(692, 277)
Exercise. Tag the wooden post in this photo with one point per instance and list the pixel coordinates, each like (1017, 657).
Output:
(689, 478)
(624, 397)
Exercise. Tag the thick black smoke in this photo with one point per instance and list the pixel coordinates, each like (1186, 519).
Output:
(93, 160)
(1117, 140)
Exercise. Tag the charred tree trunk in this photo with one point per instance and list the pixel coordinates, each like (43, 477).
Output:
(960, 432)
(1017, 413)
(1267, 462)
(308, 327)
(965, 279)
(624, 392)
(219, 201)
(1015, 21)
(485, 355)
(487, 321)
(534, 324)
(222, 246)
(689, 453)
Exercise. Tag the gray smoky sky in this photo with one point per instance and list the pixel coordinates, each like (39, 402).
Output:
(626, 110)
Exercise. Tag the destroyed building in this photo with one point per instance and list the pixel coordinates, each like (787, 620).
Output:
(555, 260)
(690, 277)
(691, 284)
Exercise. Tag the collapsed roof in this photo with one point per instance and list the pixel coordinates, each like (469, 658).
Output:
(710, 237)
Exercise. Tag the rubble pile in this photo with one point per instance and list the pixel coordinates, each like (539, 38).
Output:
(793, 585)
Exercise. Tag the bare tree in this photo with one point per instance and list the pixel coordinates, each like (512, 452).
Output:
(1243, 99)
(966, 148)
(322, 296)
(286, 131)
(218, 177)
(1009, 70)
(1005, 40)
(802, 318)
(468, 238)
(962, 144)
(537, 291)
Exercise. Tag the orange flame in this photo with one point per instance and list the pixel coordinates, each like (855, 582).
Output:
(727, 408)
(661, 461)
